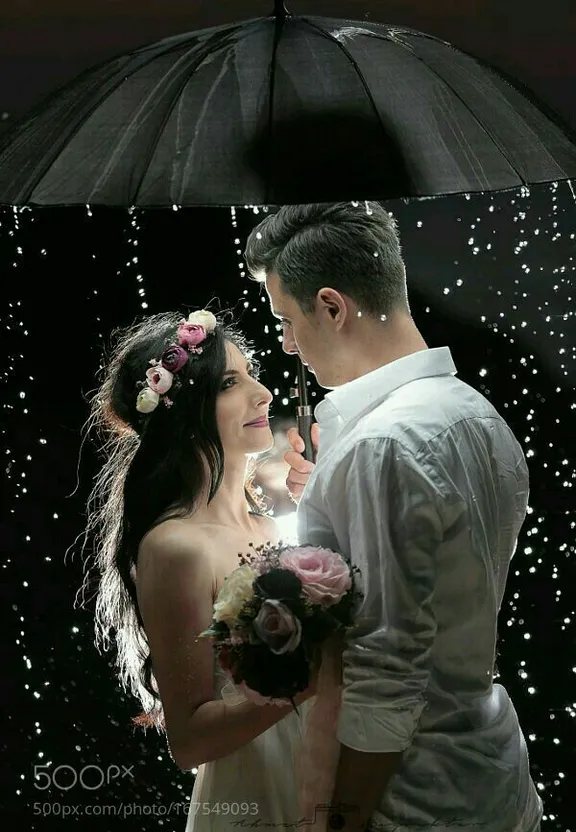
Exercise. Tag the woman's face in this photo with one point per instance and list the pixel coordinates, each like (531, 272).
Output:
(242, 407)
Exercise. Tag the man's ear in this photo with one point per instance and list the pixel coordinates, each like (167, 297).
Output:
(333, 300)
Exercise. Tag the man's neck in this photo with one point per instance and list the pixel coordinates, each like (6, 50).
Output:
(378, 345)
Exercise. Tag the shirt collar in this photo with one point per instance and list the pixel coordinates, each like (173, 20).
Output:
(364, 393)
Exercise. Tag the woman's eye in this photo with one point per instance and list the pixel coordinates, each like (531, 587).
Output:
(230, 382)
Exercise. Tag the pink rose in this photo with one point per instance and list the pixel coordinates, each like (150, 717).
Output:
(277, 627)
(159, 379)
(325, 575)
(190, 335)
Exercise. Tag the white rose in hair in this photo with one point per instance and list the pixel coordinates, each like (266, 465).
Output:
(147, 400)
(203, 318)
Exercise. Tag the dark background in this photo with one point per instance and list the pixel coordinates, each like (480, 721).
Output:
(492, 277)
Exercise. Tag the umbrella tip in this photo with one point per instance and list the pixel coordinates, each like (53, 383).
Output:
(280, 9)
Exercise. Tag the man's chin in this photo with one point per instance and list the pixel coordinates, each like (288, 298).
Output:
(321, 382)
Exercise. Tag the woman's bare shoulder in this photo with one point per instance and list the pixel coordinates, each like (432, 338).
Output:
(177, 538)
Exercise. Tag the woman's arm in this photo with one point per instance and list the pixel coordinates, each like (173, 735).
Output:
(220, 729)
(175, 585)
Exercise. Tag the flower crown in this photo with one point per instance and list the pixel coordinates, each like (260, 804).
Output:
(160, 378)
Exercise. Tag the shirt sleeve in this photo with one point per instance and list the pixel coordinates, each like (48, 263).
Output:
(387, 507)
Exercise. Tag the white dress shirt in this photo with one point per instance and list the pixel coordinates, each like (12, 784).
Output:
(421, 484)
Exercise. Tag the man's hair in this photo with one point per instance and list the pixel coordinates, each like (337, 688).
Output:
(352, 247)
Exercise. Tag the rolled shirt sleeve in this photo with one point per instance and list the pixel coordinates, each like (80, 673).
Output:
(386, 511)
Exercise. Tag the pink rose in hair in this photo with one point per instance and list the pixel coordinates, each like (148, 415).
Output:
(325, 575)
(159, 379)
(190, 335)
(174, 358)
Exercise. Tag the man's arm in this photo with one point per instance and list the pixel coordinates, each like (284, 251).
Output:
(361, 780)
(391, 510)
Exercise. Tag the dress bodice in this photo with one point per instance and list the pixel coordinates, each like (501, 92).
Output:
(257, 782)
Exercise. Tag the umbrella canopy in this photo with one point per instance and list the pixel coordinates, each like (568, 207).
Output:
(283, 109)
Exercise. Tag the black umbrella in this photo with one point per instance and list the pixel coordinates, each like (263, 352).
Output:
(283, 109)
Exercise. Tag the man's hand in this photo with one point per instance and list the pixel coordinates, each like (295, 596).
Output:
(300, 468)
(361, 780)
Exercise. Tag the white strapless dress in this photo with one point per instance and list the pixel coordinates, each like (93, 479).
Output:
(256, 787)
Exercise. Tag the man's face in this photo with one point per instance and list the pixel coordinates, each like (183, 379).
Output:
(300, 333)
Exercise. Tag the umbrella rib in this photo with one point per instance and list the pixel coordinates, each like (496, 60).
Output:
(278, 29)
(472, 113)
(407, 48)
(110, 86)
(215, 40)
(190, 150)
(356, 67)
(48, 159)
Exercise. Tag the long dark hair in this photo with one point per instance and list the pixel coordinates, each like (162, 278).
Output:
(154, 470)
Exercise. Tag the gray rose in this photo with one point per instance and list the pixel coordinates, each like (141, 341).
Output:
(277, 627)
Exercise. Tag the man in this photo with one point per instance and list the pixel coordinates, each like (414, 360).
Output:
(421, 483)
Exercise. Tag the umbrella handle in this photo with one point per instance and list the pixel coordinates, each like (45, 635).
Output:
(305, 422)
(304, 416)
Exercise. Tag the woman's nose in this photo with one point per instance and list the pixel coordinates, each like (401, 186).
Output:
(265, 396)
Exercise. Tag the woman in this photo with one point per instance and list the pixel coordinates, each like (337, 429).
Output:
(183, 410)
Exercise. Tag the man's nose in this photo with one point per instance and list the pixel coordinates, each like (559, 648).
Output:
(288, 344)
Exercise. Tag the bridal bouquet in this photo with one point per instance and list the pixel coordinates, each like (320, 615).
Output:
(274, 613)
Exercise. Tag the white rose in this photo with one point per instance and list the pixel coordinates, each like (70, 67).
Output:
(203, 318)
(147, 400)
(237, 589)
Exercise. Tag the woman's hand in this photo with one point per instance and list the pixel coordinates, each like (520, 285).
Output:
(300, 468)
